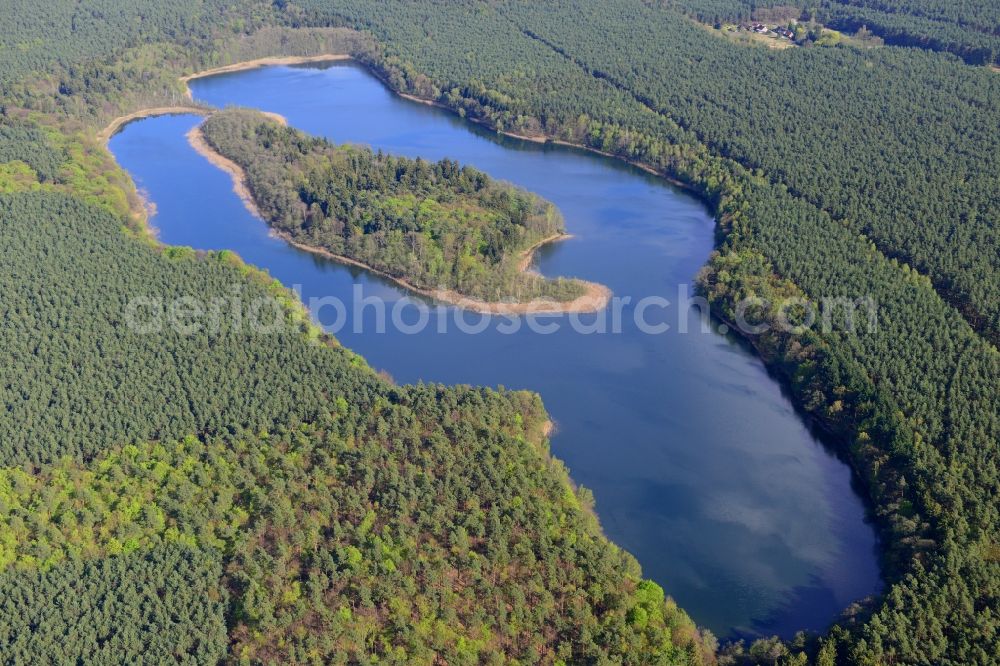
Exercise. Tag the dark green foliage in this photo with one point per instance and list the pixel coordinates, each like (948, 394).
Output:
(97, 60)
(79, 378)
(417, 524)
(45, 37)
(164, 605)
(349, 536)
(969, 30)
(39, 157)
(916, 178)
(436, 225)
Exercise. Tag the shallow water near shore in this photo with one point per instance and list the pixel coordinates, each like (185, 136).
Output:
(699, 464)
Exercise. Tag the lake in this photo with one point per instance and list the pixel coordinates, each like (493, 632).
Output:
(698, 462)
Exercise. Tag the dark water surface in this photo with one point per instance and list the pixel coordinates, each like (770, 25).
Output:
(699, 464)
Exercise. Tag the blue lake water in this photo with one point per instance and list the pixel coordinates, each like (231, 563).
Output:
(699, 464)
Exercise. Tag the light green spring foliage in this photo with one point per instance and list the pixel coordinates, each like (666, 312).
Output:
(324, 516)
(35, 157)
(430, 525)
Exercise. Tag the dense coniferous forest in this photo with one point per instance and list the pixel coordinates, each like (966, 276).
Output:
(282, 461)
(142, 478)
(161, 605)
(435, 225)
(80, 378)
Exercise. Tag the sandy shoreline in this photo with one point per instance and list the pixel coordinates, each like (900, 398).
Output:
(197, 140)
(105, 134)
(276, 117)
(118, 122)
(526, 256)
(264, 62)
(594, 298)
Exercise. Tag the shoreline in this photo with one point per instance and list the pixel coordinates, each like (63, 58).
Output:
(528, 255)
(140, 208)
(539, 139)
(196, 138)
(542, 139)
(264, 62)
(276, 117)
(115, 125)
(594, 299)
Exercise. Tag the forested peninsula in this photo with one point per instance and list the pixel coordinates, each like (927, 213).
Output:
(439, 228)
(832, 171)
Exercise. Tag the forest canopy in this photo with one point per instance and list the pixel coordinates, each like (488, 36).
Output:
(283, 478)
